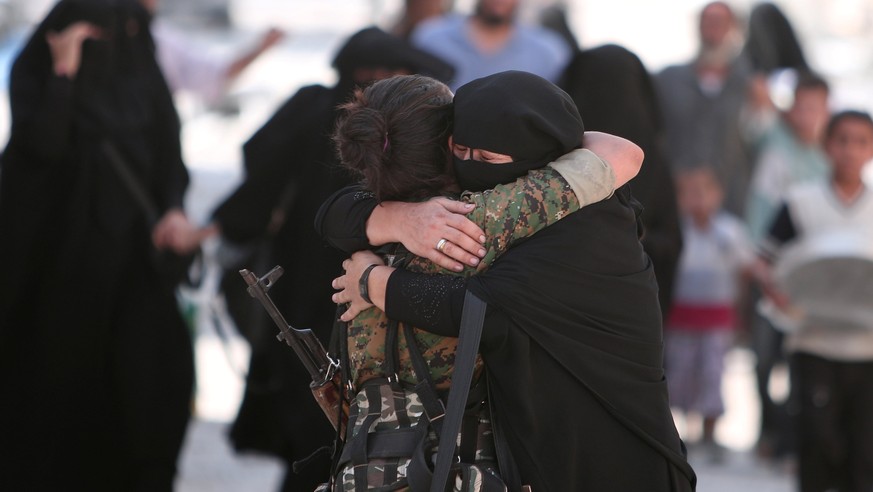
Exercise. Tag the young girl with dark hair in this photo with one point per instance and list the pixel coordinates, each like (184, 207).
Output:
(393, 124)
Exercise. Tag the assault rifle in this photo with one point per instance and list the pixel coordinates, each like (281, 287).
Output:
(326, 378)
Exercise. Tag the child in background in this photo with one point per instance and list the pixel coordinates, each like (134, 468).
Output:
(700, 327)
(790, 151)
(832, 364)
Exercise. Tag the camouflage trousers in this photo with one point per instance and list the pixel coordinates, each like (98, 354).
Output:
(389, 435)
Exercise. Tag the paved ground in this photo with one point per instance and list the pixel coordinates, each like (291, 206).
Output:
(209, 465)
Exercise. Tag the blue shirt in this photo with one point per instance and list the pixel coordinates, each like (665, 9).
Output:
(530, 49)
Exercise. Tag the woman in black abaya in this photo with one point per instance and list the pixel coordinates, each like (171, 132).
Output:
(96, 363)
(572, 335)
(614, 91)
(771, 43)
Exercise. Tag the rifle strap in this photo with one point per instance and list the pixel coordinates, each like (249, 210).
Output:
(434, 408)
(136, 188)
(472, 319)
(392, 352)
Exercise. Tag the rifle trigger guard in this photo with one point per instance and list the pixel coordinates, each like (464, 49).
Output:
(271, 277)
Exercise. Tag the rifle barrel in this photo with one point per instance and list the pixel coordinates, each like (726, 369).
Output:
(304, 342)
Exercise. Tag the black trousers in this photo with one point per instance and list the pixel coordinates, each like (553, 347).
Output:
(835, 425)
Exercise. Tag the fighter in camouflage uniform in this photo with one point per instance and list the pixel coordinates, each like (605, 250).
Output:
(507, 214)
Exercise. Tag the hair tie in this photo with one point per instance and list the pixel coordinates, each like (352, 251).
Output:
(385, 144)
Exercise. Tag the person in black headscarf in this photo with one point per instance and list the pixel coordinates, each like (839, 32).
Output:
(771, 46)
(96, 363)
(771, 43)
(614, 91)
(572, 336)
(291, 167)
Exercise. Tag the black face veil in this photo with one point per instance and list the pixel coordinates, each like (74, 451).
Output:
(116, 69)
(514, 113)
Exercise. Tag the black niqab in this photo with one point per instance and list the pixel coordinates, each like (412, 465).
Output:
(772, 43)
(517, 114)
(115, 70)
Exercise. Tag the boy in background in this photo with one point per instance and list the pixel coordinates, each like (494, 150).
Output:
(832, 363)
(700, 327)
(790, 151)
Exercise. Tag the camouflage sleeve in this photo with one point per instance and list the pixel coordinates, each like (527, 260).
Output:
(517, 210)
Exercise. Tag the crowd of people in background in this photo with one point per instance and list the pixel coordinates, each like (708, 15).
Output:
(94, 232)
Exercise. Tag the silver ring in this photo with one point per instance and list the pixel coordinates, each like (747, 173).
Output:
(441, 244)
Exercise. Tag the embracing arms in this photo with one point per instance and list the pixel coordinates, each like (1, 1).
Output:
(378, 276)
(351, 221)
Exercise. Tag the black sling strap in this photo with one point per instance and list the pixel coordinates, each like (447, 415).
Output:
(468, 346)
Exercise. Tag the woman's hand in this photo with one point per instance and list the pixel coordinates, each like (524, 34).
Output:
(761, 271)
(175, 232)
(348, 284)
(188, 239)
(421, 227)
(66, 46)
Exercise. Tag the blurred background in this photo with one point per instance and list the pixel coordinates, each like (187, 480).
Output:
(837, 36)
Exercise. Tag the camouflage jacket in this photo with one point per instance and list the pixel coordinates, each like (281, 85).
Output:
(507, 214)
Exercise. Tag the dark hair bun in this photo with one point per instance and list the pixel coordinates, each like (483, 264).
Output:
(395, 135)
(361, 138)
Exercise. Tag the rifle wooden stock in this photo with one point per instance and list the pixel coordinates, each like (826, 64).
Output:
(324, 371)
(328, 397)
